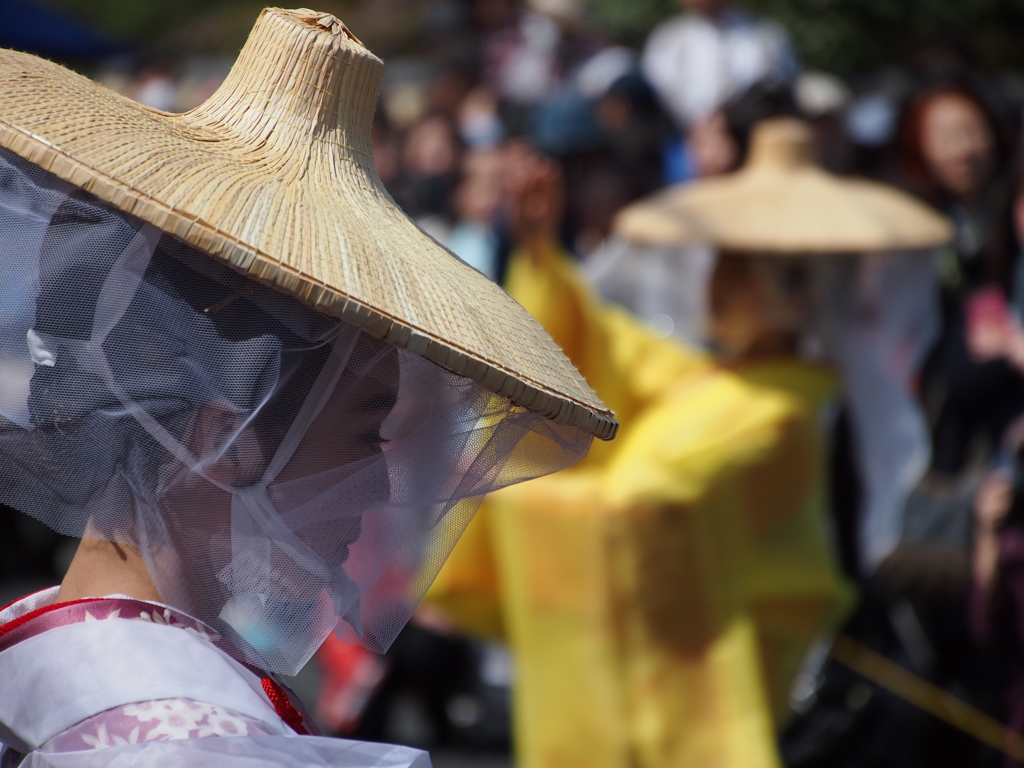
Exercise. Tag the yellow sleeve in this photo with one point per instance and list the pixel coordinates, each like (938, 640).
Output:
(742, 457)
(626, 364)
(624, 596)
(659, 604)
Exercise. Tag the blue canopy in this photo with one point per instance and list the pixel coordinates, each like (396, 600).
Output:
(27, 26)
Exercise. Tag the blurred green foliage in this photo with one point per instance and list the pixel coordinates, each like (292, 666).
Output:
(135, 20)
(854, 35)
(848, 36)
(843, 36)
(159, 27)
(629, 21)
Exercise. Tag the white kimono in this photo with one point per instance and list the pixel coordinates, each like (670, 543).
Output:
(117, 681)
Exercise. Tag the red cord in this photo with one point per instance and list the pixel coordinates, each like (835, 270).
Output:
(283, 706)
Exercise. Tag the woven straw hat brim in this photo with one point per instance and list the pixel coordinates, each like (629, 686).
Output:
(781, 203)
(274, 175)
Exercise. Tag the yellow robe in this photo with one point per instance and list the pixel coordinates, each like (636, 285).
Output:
(660, 596)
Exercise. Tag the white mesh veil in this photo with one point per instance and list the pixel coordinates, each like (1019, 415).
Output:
(663, 285)
(879, 316)
(283, 473)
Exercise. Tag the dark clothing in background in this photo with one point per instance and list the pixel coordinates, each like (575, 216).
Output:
(997, 621)
(969, 403)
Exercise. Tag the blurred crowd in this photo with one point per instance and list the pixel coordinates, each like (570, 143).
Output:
(509, 87)
(519, 120)
(506, 83)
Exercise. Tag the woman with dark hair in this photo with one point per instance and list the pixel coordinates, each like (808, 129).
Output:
(954, 153)
(954, 148)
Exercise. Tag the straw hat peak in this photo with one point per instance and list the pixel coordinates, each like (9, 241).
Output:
(301, 80)
(781, 144)
(274, 174)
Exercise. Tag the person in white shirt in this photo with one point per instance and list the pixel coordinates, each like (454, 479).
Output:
(697, 61)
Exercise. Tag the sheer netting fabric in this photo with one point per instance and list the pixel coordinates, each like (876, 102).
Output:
(283, 473)
(879, 316)
(665, 286)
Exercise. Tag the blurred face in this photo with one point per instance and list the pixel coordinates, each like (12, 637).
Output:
(385, 156)
(480, 192)
(347, 430)
(479, 122)
(345, 434)
(737, 306)
(712, 147)
(615, 111)
(448, 90)
(1018, 213)
(430, 148)
(755, 312)
(958, 145)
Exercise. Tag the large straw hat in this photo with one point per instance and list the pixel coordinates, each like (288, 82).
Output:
(274, 174)
(781, 202)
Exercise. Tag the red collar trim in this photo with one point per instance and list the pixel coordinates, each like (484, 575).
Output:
(25, 597)
(26, 618)
(277, 694)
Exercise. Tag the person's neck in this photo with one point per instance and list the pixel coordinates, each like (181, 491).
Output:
(102, 568)
(976, 201)
(969, 202)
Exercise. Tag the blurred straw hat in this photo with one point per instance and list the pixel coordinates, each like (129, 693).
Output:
(274, 174)
(781, 202)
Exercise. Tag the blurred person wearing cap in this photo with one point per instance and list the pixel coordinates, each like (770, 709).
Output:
(262, 398)
(661, 598)
(667, 289)
(790, 281)
(781, 204)
(904, 540)
(609, 133)
(638, 129)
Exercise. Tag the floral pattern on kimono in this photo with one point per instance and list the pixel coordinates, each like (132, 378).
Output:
(153, 721)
